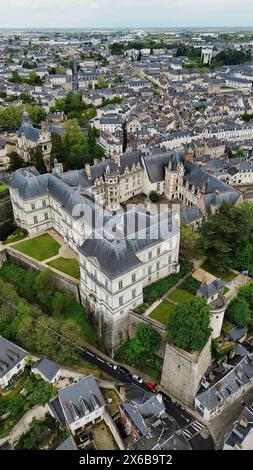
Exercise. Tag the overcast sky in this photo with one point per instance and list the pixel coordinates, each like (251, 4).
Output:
(125, 13)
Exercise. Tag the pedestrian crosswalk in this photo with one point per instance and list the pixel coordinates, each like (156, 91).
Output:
(193, 429)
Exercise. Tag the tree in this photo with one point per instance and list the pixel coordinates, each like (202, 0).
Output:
(102, 83)
(246, 292)
(34, 79)
(15, 161)
(143, 345)
(45, 289)
(189, 240)
(36, 159)
(25, 98)
(233, 56)
(189, 325)
(16, 77)
(222, 237)
(238, 312)
(58, 150)
(154, 196)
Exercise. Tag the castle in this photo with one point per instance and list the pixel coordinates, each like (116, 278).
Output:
(120, 251)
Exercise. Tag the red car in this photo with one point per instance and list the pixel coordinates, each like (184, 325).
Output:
(152, 388)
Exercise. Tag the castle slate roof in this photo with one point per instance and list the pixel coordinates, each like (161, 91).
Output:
(155, 164)
(30, 132)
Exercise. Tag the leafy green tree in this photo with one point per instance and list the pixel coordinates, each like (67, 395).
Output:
(189, 240)
(102, 83)
(154, 196)
(16, 77)
(143, 345)
(25, 98)
(45, 289)
(15, 161)
(34, 79)
(246, 292)
(240, 153)
(36, 159)
(238, 312)
(222, 237)
(58, 150)
(189, 325)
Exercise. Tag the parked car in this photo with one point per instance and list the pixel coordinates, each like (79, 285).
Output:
(89, 436)
(123, 370)
(151, 387)
(137, 378)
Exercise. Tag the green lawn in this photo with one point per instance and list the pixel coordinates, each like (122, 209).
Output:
(40, 248)
(180, 296)
(227, 276)
(67, 266)
(162, 312)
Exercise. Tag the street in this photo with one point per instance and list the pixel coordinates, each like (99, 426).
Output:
(191, 428)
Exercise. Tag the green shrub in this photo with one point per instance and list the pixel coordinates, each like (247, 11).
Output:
(19, 234)
(158, 289)
(191, 285)
(238, 312)
(141, 308)
(6, 229)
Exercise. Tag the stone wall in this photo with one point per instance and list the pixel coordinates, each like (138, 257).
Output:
(6, 212)
(183, 371)
(113, 333)
(63, 282)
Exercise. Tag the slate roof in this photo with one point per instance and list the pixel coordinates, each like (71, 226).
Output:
(47, 368)
(155, 164)
(240, 432)
(241, 374)
(10, 355)
(145, 402)
(68, 444)
(211, 289)
(80, 398)
(116, 250)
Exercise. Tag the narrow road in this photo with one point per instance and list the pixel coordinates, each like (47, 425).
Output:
(182, 417)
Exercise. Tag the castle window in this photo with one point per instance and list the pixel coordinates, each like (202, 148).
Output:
(35, 219)
(46, 215)
(44, 203)
(133, 293)
(149, 270)
(158, 251)
(121, 300)
(33, 207)
(120, 284)
(150, 255)
(133, 277)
